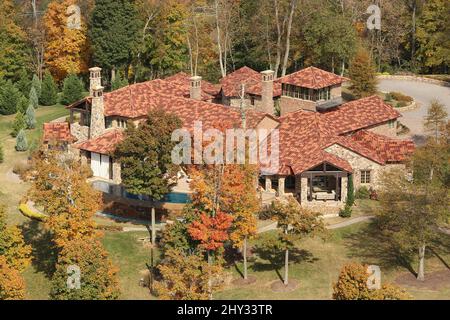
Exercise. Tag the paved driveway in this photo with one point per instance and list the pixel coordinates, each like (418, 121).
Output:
(423, 93)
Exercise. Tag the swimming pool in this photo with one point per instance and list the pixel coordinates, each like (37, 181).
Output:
(171, 197)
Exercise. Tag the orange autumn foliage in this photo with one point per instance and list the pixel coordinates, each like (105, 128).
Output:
(66, 48)
(211, 231)
(12, 285)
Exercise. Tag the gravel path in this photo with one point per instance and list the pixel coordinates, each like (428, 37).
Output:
(423, 93)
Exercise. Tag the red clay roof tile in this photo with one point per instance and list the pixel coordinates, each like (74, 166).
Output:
(58, 132)
(313, 78)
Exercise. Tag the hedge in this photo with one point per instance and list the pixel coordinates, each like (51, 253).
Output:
(27, 212)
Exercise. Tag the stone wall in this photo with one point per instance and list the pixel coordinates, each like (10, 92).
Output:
(289, 104)
(358, 163)
(336, 91)
(415, 78)
(384, 129)
(81, 133)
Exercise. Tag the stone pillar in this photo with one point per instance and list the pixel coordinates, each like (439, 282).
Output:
(97, 113)
(344, 187)
(304, 189)
(268, 184)
(95, 79)
(281, 181)
(196, 88)
(267, 103)
(117, 179)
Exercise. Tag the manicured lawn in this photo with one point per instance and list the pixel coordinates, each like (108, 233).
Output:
(12, 190)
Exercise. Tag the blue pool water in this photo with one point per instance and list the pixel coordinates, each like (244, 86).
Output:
(172, 197)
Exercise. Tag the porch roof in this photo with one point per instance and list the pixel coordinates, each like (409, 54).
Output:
(104, 144)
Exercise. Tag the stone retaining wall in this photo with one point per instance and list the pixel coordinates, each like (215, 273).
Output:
(415, 78)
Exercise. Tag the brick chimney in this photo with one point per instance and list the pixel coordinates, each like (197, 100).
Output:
(97, 108)
(196, 88)
(267, 104)
(95, 79)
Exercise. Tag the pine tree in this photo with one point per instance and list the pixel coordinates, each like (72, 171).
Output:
(21, 141)
(24, 83)
(49, 94)
(362, 75)
(9, 95)
(30, 117)
(34, 100)
(18, 124)
(37, 85)
(118, 82)
(72, 89)
(114, 33)
(22, 104)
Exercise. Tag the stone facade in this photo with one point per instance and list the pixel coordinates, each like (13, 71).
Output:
(290, 104)
(196, 88)
(81, 133)
(387, 129)
(116, 172)
(336, 91)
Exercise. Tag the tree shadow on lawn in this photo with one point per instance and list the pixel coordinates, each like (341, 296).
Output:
(44, 255)
(270, 260)
(372, 247)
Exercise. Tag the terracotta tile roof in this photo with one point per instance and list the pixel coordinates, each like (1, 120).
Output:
(256, 89)
(360, 114)
(390, 150)
(104, 144)
(231, 84)
(58, 132)
(313, 78)
(182, 81)
(303, 138)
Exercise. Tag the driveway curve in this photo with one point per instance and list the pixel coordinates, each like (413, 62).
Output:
(423, 93)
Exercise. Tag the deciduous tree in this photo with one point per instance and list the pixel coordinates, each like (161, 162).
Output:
(12, 285)
(362, 75)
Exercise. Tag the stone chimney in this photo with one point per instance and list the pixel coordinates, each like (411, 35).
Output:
(95, 79)
(267, 104)
(196, 88)
(97, 112)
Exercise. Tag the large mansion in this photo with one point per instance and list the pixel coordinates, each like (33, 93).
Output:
(323, 139)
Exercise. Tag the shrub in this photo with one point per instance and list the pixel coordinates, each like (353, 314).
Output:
(21, 141)
(401, 104)
(36, 84)
(9, 96)
(1, 154)
(21, 168)
(388, 97)
(49, 94)
(30, 118)
(18, 124)
(400, 96)
(28, 212)
(72, 89)
(362, 193)
(373, 194)
(346, 212)
(33, 97)
(22, 104)
(350, 191)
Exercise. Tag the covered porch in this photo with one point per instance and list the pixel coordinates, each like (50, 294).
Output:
(324, 184)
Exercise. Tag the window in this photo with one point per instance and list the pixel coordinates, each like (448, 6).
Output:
(108, 122)
(391, 124)
(121, 123)
(365, 176)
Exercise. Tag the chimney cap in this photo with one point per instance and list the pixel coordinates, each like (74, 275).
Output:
(267, 72)
(95, 69)
(97, 88)
(195, 78)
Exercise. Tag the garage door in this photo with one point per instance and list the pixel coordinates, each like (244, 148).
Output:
(100, 165)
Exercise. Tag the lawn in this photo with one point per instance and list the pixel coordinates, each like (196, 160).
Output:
(315, 265)
(12, 190)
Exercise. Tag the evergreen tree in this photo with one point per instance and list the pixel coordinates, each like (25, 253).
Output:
(24, 83)
(30, 118)
(34, 100)
(72, 89)
(18, 124)
(49, 94)
(362, 75)
(37, 85)
(22, 104)
(9, 96)
(114, 33)
(118, 82)
(21, 141)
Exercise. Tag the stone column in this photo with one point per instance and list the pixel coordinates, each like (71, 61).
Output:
(268, 184)
(267, 104)
(97, 113)
(117, 179)
(196, 88)
(304, 189)
(281, 181)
